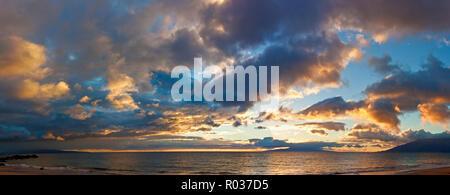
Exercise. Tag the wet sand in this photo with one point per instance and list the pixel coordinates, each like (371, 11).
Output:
(441, 171)
(435, 171)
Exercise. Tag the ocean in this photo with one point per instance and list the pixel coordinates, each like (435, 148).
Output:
(247, 163)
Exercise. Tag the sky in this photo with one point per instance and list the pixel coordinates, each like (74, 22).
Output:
(355, 75)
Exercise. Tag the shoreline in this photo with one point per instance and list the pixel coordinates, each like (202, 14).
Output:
(22, 169)
(437, 171)
(442, 170)
(434, 171)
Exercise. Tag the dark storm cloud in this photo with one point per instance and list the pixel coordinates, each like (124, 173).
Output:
(332, 126)
(248, 27)
(319, 132)
(106, 30)
(382, 64)
(393, 17)
(300, 60)
(14, 133)
(273, 24)
(426, 90)
(409, 89)
(333, 106)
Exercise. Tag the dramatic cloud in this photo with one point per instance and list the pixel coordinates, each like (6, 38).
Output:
(426, 91)
(370, 131)
(29, 89)
(120, 86)
(384, 18)
(71, 69)
(19, 57)
(22, 71)
(379, 111)
(408, 89)
(435, 113)
(313, 61)
(382, 64)
(301, 48)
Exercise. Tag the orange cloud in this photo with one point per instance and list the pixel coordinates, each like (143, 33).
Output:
(120, 86)
(380, 111)
(21, 63)
(85, 99)
(29, 89)
(21, 58)
(50, 136)
(435, 113)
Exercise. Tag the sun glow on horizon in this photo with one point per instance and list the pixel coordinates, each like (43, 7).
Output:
(179, 150)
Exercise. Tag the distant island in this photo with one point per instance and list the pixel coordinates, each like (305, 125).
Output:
(424, 145)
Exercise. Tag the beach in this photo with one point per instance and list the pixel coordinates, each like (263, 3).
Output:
(442, 171)
(22, 169)
(34, 170)
(436, 171)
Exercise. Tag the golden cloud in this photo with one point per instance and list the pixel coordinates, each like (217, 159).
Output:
(379, 111)
(120, 86)
(435, 113)
(29, 89)
(19, 57)
(21, 62)
(85, 99)
(50, 136)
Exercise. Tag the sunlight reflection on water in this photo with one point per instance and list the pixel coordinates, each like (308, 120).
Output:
(241, 162)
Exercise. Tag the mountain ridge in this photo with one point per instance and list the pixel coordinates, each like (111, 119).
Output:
(424, 145)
